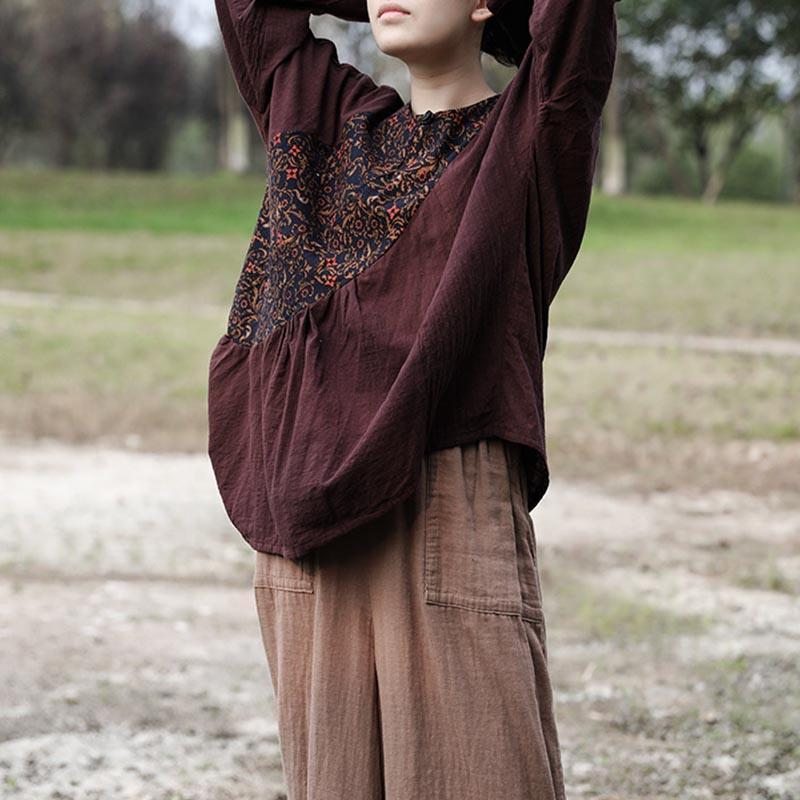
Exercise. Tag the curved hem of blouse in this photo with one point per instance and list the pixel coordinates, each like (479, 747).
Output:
(536, 474)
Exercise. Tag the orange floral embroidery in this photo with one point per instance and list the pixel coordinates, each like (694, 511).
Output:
(330, 212)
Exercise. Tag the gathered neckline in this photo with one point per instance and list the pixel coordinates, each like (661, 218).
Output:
(448, 112)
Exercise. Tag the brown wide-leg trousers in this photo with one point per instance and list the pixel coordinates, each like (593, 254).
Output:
(408, 657)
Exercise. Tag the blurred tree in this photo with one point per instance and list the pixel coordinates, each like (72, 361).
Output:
(17, 112)
(236, 124)
(788, 36)
(202, 94)
(792, 126)
(355, 44)
(704, 68)
(110, 81)
(72, 45)
(148, 82)
(613, 171)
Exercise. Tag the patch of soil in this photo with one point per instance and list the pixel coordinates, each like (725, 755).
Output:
(133, 667)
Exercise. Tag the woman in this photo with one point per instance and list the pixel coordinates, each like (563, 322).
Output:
(376, 424)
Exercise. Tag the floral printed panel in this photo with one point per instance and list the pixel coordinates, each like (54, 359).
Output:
(331, 211)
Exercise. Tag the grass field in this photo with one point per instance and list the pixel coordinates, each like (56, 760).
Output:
(646, 265)
(672, 609)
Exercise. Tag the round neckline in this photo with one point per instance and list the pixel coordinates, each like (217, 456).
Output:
(443, 112)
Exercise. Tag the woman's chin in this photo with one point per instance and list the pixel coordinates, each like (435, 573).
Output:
(397, 47)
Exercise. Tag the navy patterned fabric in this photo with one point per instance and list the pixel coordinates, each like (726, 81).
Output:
(331, 211)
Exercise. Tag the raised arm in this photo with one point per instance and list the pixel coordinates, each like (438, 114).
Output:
(289, 78)
(568, 67)
(556, 104)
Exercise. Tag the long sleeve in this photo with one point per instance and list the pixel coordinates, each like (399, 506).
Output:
(288, 77)
(568, 67)
(557, 100)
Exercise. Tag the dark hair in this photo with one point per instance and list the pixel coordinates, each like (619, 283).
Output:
(506, 36)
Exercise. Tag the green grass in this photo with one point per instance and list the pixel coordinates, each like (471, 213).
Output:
(744, 293)
(767, 575)
(47, 351)
(680, 226)
(641, 392)
(180, 268)
(647, 264)
(83, 375)
(638, 393)
(681, 266)
(601, 614)
(751, 705)
(122, 202)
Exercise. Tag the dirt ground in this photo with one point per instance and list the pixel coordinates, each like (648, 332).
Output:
(132, 665)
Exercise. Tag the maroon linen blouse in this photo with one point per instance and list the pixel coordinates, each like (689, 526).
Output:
(394, 295)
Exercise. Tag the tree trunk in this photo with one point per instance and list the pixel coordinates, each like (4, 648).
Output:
(234, 147)
(652, 121)
(702, 153)
(718, 174)
(791, 126)
(613, 176)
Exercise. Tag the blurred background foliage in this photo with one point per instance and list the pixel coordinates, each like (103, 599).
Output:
(705, 103)
(130, 180)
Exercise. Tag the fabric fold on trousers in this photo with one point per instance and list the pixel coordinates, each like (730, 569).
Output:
(408, 659)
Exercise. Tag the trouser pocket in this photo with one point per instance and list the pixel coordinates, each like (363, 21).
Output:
(277, 572)
(479, 550)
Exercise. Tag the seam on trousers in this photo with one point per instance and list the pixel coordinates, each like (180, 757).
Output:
(522, 641)
(377, 706)
(445, 603)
